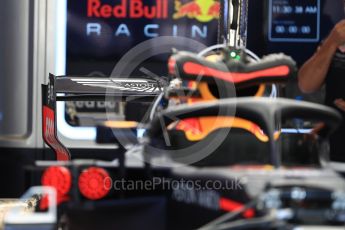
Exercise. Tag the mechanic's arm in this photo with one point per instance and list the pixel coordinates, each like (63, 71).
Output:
(312, 74)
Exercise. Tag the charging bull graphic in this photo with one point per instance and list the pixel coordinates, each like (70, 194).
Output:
(201, 10)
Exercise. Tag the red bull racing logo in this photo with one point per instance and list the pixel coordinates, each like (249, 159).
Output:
(201, 10)
(160, 15)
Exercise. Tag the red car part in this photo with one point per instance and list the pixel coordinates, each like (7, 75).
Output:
(94, 183)
(60, 178)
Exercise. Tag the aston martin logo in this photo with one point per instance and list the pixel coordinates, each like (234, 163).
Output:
(134, 85)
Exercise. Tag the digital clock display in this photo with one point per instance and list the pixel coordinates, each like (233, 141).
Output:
(294, 20)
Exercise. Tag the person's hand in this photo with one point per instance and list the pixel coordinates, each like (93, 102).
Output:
(340, 103)
(337, 36)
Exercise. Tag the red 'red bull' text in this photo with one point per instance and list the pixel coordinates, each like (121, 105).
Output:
(128, 9)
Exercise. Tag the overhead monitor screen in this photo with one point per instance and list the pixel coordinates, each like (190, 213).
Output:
(294, 27)
(294, 20)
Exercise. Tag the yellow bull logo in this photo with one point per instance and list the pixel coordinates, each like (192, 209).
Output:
(201, 10)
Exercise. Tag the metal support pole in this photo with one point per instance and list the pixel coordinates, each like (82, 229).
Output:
(233, 23)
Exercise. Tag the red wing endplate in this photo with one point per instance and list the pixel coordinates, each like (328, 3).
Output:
(275, 68)
(49, 126)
